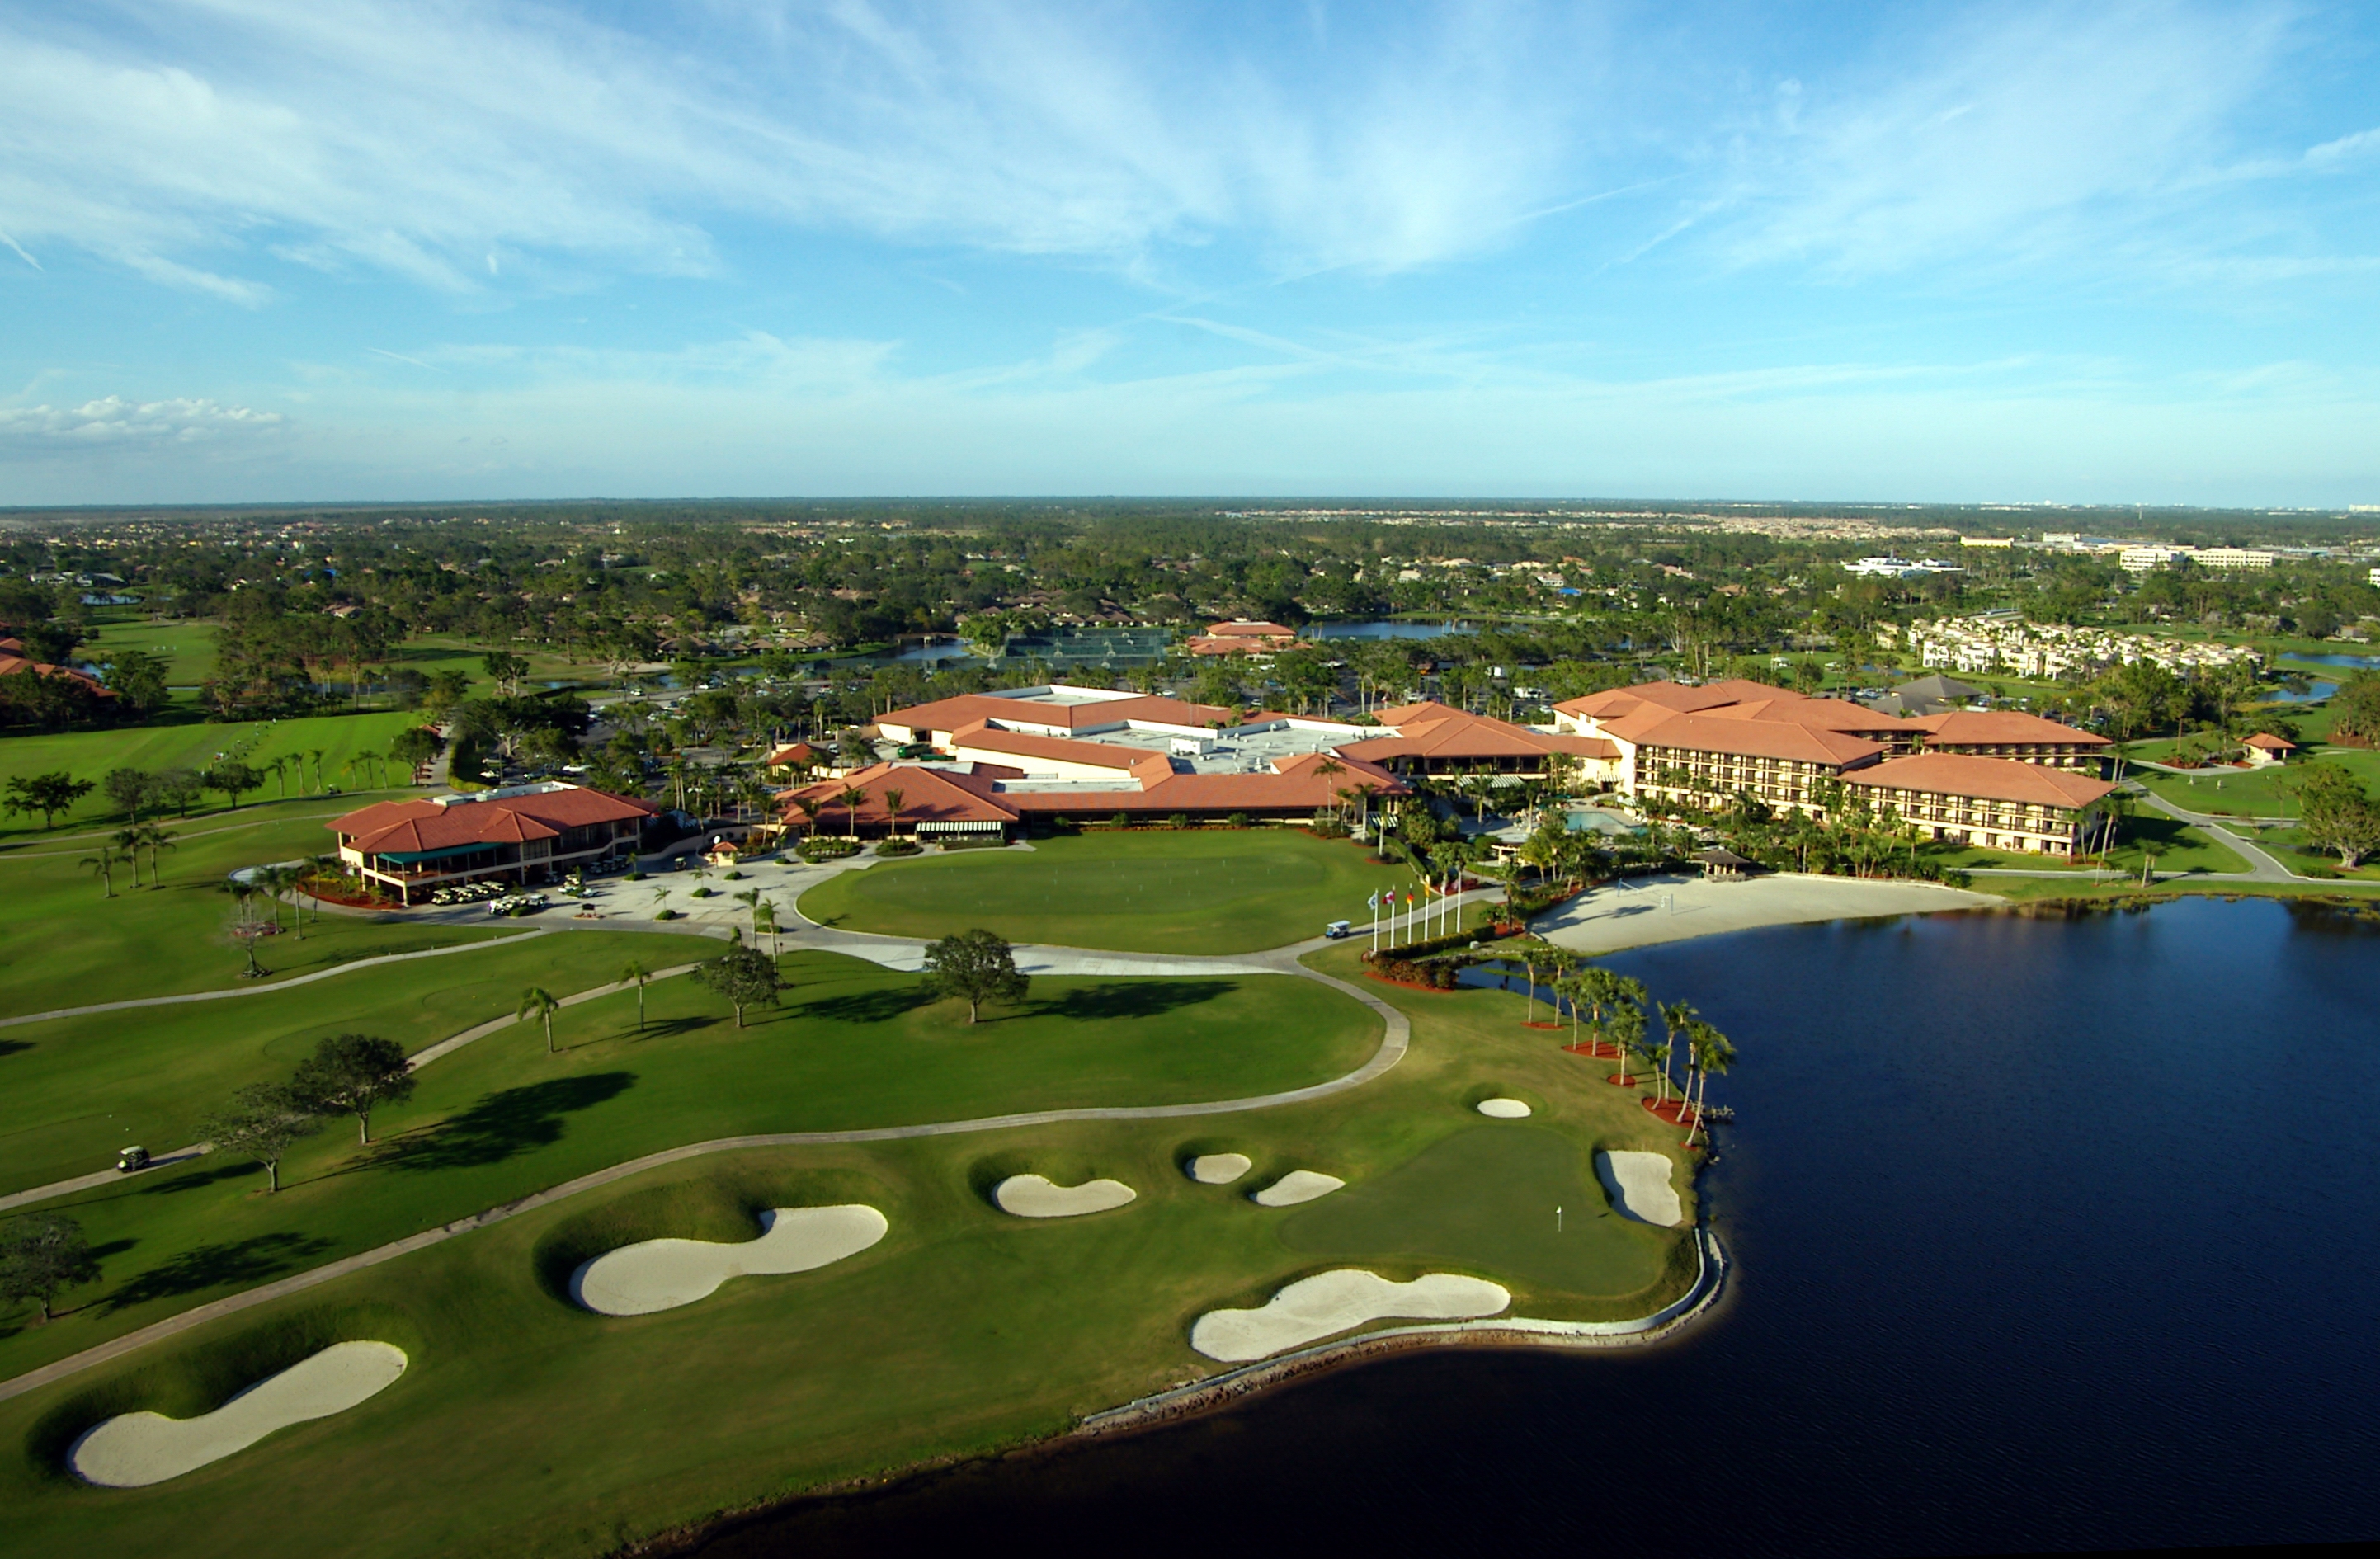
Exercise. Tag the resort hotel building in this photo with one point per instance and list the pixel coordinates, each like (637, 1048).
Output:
(1996, 779)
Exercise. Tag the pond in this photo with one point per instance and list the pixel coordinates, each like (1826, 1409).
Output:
(1383, 630)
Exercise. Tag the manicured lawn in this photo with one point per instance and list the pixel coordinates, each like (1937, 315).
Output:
(1226, 890)
(89, 754)
(1484, 1198)
(544, 1430)
(79, 1088)
(2290, 847)
(189, 648)
(2257, 792)
(2176, 846)
(69, 947)
(854, 1047)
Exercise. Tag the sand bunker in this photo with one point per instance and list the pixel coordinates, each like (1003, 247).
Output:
(1030, 1196)
(1298, 1185)
(1504, 1109)
(1313, 1308)
(664, 1273)
(1219, 1168)
(1639, 1184)
(133, 1450)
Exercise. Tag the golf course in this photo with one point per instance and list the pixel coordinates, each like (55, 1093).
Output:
(453, 1243)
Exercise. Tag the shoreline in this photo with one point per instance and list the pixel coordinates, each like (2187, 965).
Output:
(1237, 1385)
(1516, 1331)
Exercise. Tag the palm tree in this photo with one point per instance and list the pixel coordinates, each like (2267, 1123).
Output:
(129, 842)
(640, 975)
(892, 800)
(764, 919)
(315, 754)
(1713, 1053)
(810, 808)
(104, 860)
(538, 1003)
(1677, 1020)
(849, 798)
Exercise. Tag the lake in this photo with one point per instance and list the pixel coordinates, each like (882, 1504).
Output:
(2353, 663)
(1382, 629)
(2047, 1235)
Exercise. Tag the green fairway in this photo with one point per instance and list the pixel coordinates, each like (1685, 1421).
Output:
(1484, 1200)
(79, 1088)
(854, 1047)
(67, 945)
(89, 754)
(2174, 846)
(188, 648)
(1218, 891)
(544, 1430)
(2257, 792)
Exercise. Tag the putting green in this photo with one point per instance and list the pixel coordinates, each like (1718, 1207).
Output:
(1484, 1198)
(1224, 891)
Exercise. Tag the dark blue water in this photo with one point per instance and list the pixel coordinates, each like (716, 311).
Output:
(2048, 1235)
(2314, 693)
(2359, 662)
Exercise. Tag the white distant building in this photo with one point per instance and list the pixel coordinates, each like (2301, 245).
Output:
(2143, 559)
(2230, 557)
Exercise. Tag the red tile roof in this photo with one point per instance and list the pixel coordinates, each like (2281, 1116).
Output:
(969, 708)
(1964, 774)
(1742, 738)
(982, 738)
(409, 828)
(2002, 728)
(927, 796)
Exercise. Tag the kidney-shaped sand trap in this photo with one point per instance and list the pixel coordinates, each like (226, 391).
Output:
(1639, 1184)
(1504, 1109)
(664, 1273)
(1219, 1168)
(1298, 1185)
(1313, 1308)
(1030, 1196)
(133, 1450)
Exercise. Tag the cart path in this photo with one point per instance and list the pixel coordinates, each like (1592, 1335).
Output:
(290, 984)
(1395, 1039)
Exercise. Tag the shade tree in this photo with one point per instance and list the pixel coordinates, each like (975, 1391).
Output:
(354, 1074)
(976, 966)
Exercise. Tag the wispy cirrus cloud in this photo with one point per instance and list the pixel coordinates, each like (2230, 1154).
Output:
(2007, 132)
(421, 137)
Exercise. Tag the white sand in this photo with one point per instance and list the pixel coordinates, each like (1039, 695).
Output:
(1219, 1168)
(1030, 1196)
(1669, 909)
(664, 1273)
(134, 1450)
(1639, 1184)
(1298, 1185)
(1313, 1308)
(1504, 1109)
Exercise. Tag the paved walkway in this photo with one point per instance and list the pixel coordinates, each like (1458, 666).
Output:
(1396, 1038)
(271, 986)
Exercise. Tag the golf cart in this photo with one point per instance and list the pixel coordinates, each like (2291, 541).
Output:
(130, 1159)
(1339, 928)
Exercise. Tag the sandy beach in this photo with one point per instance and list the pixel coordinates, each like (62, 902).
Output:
(1671, 908)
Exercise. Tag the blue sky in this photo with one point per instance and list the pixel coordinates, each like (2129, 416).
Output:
(269, 249)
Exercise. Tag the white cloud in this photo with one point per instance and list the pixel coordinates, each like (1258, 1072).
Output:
(116, 425)
(428, 138)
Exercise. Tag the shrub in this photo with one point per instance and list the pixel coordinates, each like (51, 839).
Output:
(1120, 820)
(898, 847)
(731, 877)
(817, 850)
(1179, 820)
(1237, 819)
(666, 915)
(700, 893)
(1437, 975)
(634, 876)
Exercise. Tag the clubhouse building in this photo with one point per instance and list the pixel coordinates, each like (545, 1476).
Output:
(526, 833)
